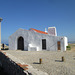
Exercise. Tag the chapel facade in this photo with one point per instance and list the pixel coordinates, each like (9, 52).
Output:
(36, 40)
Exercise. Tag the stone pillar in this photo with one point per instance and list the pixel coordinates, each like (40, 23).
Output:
(0, 32)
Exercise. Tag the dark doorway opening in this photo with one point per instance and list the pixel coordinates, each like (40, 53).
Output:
(43, 43)
(59, 45)
(20, 43)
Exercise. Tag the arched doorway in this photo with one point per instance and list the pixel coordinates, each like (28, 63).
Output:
(20, 43)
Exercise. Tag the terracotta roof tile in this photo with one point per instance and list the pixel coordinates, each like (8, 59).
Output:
(38, 31)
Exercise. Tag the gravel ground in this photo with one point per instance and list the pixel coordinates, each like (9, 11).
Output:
(51, 61)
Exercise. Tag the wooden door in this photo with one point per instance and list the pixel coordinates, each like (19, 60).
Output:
(59, 45)
(20, 43)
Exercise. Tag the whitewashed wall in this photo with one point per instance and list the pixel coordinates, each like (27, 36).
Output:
(35, 39)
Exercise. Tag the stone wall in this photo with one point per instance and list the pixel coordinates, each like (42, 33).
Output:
(10, 66)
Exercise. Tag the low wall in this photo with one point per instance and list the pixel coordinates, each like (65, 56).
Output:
(10, 66)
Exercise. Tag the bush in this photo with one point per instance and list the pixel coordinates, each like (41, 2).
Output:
(68, 47)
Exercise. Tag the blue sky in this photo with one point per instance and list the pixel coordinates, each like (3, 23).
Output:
(38, 14)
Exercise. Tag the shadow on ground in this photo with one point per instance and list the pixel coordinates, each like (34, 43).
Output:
(2, 72)
(36, 63)
(58, 60)
(74, 58)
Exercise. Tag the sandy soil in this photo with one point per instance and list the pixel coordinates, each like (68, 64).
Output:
(51, 61)
(72, 47)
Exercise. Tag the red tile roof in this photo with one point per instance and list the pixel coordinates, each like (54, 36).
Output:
(38, 31)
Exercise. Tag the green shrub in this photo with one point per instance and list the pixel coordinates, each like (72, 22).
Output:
(68, 47)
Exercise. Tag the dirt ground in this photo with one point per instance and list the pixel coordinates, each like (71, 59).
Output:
(51, 61)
